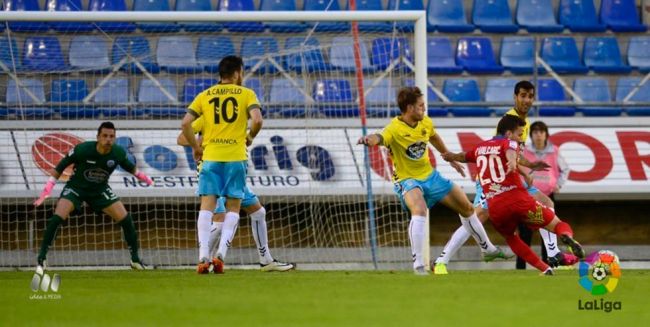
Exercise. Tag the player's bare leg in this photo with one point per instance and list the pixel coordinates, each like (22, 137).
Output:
(118, 212)
(260, 233)
(62, 211)
(417, 206)
(208, 204)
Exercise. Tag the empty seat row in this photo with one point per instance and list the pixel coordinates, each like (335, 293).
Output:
(442, 15)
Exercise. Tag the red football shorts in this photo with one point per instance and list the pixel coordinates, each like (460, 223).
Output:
(509, 209)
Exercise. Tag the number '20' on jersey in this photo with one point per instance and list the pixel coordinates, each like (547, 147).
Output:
(491, 162)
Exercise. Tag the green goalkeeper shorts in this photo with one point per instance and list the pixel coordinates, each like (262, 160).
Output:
(97, 201)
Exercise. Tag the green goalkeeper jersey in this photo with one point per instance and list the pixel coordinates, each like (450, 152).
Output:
(92, 169)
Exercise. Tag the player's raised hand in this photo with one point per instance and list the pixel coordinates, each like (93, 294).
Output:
(447, 156)
(47, 190)
(539, 165)
(363, 140)
(458, 166)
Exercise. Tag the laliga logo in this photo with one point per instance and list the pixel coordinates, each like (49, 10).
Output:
(602, 264)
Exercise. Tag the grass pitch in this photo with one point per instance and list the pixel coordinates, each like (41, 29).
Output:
(309, 298)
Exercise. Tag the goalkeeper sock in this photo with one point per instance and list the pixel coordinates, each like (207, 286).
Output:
(260, 234)
(49, 235)
(416, 235)
(215, 233)
(550, 242)
(203, 233)
(130, 236)
(473, 225)
(460, 236)
(227, 233)
(523, 251)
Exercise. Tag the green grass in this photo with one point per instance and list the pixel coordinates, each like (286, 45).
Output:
(307, 298)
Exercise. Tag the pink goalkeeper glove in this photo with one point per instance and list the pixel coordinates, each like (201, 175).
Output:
(49, 186)
(141, 176)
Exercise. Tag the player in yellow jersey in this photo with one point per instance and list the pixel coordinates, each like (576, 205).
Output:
(226, 108)
(417, 184)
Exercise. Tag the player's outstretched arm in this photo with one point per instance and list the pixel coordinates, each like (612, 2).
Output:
(526, 175)
(142, 176)
(49, 186)
(537, 165)
(439, 144)
(511, 155)
(450, 157)
(181, 140)
(370, 140)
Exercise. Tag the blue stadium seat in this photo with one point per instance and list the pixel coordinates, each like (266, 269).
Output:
(518, 54)
(440, 56)
(25, 5)
(334, 98)
(602, 55)
(493, 16)
(137, 47)
(197, 5)
(111, 5)
(551, 90)
(194, 86)
(580, 16)
(240, 5)
(342, 55)
(381, 99)
(151, 95)
(210, 51)
(537, 16)
(113, 97)
(89, 52)
(255, 84)
(500, 90)
(320, 5)
(9, 53)
(155, 27)
(175, 54)
(432, 111)
(621, 16)
(464, 90)
(67, 96)
(256, 47)
(311, 57)
(19, 100)
(595, 90)
(624, 86)
(447, 17)
(561, 53)
(386, 50)
(282, 5)
(638, 53)
(405, 5)
(68, 5)
(475, 55)
(286, 99)
(43, 54)
(371, 5)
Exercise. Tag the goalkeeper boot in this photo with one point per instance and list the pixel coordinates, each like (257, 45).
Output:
(276, 265)
(496, 254)
(203, 267)
(138, 265)
(216, 266)
(440, 269)
(420, 271)
(573, 245)
(41, 266)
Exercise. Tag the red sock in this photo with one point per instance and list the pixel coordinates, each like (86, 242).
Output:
(563, 228)
(523, 251)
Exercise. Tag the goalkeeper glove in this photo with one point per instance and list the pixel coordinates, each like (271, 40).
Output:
(143, 177)
(49, 186)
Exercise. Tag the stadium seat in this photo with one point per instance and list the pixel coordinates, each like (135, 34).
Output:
(624, 86)
(371, 5)
(638, 53)
(175, 54)
(537, 16)
(257, 47)
(381, 99)
(210, 51)
(580, 16)
(111, 5)
(475, 55)
(493, 16)
(240, 5)
(68, 5)
(595, 90)
(334, 98)
(405, 5)
(255, 84)
(551, 90)
(440, 57)
(150, 94)
(320, 5)
(500, 90)
(342, 55)
(155, 27)
(282, 5)
(447, 17)
(89, 52)
(25, 5)
(602, 55)
(113, 97)
(19, 100)
(311, 57)
(286, 99)
(621, 16)
(197, 5)
(518, 54)
(561, 53)
(43, 54)
(67, 95)
(10, 54)
(194, 86)
(464, 90)
(432, 111)
(137, 47)
(386, 50)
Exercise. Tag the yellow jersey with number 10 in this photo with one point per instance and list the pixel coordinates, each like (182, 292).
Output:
(408, 147)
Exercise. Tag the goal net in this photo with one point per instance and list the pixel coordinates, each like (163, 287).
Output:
(329, 203)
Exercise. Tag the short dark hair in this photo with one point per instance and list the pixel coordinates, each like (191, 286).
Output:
(229, 65)
(509, 123)
(408, 95)
(526, 85)
(539, 126)
(107, 125)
